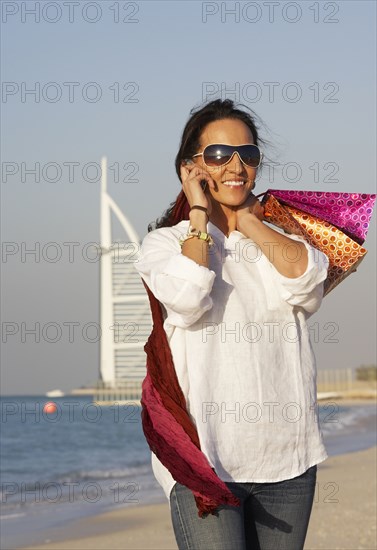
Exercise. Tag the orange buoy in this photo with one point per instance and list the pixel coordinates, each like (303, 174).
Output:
(50, 407)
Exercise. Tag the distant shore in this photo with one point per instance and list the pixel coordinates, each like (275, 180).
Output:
(364, 392)
(361, 390)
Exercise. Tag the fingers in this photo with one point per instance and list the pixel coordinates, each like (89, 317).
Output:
(259, 210)
(253, 206)
(192, 172)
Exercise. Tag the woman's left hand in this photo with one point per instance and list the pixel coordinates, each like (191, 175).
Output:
(250, 206)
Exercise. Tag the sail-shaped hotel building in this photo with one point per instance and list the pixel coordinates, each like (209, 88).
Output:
(124, 307)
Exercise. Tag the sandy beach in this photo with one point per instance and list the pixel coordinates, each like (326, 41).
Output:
(343, 517)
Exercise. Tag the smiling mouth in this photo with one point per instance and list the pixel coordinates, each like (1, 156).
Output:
(234, 183)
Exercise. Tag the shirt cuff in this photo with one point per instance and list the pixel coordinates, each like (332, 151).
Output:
(315, 273)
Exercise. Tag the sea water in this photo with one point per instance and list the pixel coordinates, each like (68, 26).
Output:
(84, 459)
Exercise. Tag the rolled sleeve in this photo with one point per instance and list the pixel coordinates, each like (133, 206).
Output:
(178, 282)
(307, 289)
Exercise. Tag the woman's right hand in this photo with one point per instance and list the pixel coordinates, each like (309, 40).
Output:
(191, 176)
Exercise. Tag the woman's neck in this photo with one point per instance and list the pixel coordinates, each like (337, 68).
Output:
(224, 217)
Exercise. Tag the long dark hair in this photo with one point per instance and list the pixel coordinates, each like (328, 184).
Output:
(190, 143)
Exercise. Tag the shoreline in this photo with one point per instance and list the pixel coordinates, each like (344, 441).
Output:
(343, 515)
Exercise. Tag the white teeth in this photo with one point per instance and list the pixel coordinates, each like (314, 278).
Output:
(234, 183)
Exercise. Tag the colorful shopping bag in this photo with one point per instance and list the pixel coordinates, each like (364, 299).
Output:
(335, 223)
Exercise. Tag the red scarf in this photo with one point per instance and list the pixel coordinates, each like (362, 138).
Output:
(167, 426)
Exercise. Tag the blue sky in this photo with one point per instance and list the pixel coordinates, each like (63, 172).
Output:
(132, 87)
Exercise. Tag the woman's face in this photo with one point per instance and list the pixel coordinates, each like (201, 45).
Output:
(228, 132)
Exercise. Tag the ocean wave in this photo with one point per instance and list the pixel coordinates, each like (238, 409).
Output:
(12, 516)
(98, 474)
(336, 418)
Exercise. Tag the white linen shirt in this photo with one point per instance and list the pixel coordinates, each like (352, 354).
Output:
(240, 344)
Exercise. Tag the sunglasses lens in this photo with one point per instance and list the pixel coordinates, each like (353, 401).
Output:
(217, 155)
(250, 154)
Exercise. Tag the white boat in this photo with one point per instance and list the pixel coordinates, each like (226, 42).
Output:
(326, 395)
(55, 393)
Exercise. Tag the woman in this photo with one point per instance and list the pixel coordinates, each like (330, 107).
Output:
(236, 296)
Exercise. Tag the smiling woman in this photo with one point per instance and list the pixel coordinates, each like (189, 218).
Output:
(229, 481)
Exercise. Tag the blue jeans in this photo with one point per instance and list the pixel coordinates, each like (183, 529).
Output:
(272, 516)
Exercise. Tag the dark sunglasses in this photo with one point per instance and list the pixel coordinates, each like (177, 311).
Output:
(217, 154)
